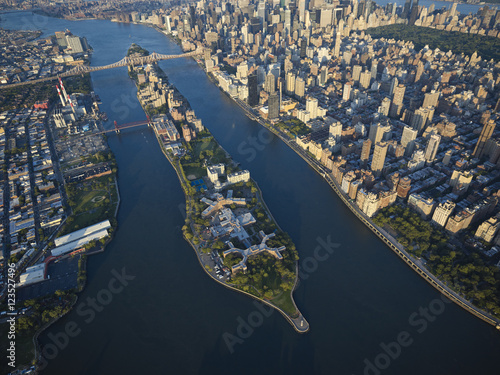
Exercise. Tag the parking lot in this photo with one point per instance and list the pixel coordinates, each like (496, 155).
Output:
(63, 276)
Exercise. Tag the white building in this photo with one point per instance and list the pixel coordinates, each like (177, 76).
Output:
(443, 212)
(32, 275)
(214, 171)
(241, 176)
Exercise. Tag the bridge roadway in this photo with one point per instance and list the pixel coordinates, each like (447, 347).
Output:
(416, 264)
(126, 61)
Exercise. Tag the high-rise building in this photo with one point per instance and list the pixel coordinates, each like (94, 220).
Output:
(364, 79)
(312, 107)
(453, 10)
(447, 157)
(336, 51)
(356, 72)
(303, 48)
(488, 229)
(253, 94)
(326, 17)
(335, 131)
(302, 10)
(379, 153)
(421, 117)
(420, 71)
(385, 106)
(365, 151)
(273, 106)
(486, 133)
(409, 134)
(443, 212)
(323, 76)
(374, 68)
(269, 83)
(404, 187)
(394, 84)
(290, 83)
(261, 11)
(413, 13)
(399, 93)
(432, 147)
(379, 132)
(397, 100)
(346, 94)
(300, 87)
(242, 70)
(431, 99)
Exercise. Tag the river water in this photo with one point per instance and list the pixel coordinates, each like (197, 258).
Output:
(172, 319)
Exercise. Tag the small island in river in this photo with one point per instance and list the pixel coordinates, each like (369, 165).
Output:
(237, 240)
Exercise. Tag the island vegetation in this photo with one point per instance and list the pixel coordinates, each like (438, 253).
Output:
(266, 277)
(135, 49)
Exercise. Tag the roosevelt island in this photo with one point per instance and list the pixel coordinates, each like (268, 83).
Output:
(237, 240)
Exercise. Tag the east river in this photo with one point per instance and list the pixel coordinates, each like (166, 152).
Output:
(168, 317)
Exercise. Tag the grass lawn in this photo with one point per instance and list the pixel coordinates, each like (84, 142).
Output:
(295, 127)
(195, 171)
(90, 200)
(86, 219)
(219, 157)
(284, 302)
(91, 205)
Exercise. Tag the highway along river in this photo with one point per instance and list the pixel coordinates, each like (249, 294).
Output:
(369, 312)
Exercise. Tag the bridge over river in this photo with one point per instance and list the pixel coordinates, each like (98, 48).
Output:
(126, 61)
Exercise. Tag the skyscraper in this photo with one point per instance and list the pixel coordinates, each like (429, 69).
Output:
(290, 82)
(365, 151)
(420, 118)
(273, 106)
(486, 133)
(406, 9)
(335, 131)
(378, 160)
(431, 99)
(413, 13)
(253, 95)
(346, 94)
(408, 139)
(269, 84)
(364, 80)
(432, 147)
(312, 107)
(374, 69)
(303, 47)
(300, 86)
(356, 72)
(385, 107)
(379, 132)
(397, 100)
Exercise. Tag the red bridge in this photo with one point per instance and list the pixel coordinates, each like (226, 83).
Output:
(129, 125)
